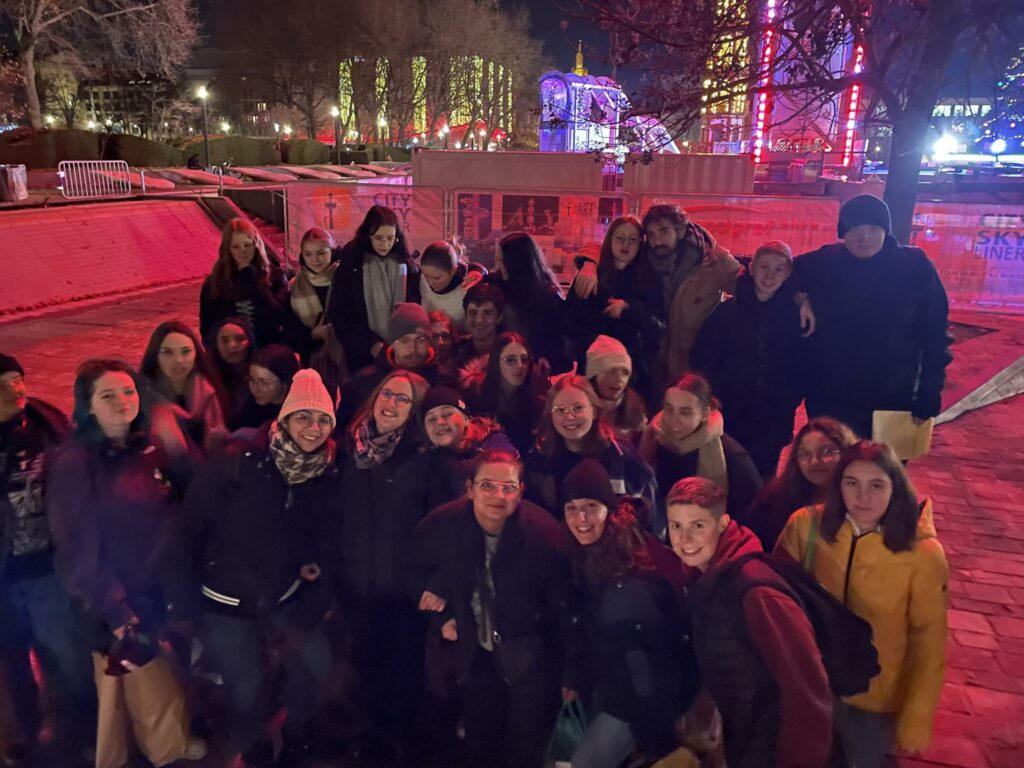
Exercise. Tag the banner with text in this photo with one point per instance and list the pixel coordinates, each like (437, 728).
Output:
(978, 250)
(743, 222)
(560, 222)
(339, 208)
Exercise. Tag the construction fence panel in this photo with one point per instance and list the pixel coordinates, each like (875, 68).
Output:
(560, 222)
(743, 222)
(340, 207)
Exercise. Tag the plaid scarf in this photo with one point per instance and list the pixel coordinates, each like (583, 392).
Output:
(372, 448)
(305, 302)
(297, 466)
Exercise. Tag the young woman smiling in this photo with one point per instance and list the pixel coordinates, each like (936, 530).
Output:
(873, 545)
(243, 281)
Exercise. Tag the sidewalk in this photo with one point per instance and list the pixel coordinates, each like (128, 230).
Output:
(975, 474)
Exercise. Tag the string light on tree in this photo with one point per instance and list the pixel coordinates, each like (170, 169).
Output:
(1006, 120)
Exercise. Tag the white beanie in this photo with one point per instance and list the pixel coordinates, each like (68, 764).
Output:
(606, 353)
(307, 393)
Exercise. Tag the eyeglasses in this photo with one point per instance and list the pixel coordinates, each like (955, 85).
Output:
(577, 410)
(822, 454)
(398, 397)
(490, 488)
(307, 419)
(513, 359)
(383, 239)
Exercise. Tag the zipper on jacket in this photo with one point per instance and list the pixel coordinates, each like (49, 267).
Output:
(849, 566)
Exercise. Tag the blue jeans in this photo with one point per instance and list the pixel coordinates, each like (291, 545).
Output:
(607, 742)
(235, 646)
(37, 613)
(865, 737)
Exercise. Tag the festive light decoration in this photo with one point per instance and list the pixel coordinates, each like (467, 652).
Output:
(852, 106)
(761, 105)
(1006, 120)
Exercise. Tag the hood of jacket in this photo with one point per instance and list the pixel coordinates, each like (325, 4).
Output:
(734, 543)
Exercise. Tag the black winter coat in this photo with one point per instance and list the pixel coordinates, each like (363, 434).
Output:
(881, 341)
(633, 638)
(262, 304)
(377, 510)
(530, 578)
(539, 320)
(249, 533)
(640, 328)
(346, 310)
(113, 513)
(752, 354)
(744, 479)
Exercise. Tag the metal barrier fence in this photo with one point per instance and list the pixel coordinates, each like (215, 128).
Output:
(80, 179)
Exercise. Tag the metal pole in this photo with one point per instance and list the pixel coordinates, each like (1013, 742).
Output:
(337, 139)
(206, 136)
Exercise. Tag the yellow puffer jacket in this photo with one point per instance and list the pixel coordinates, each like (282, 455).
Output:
(904, 596)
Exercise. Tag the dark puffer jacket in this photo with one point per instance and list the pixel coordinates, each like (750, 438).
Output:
(633, 639)
(260, 302)
(760, 661)
(250, 533)
(377, 510)
(881, 341)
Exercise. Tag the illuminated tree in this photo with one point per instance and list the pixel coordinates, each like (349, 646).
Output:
(1006, 120)
(679, 51)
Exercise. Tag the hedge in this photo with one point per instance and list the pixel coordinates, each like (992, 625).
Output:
(240, 150)
(306, 152)
(141, 152)
(45, 148)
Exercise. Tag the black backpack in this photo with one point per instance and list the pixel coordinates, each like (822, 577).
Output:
(843, 638)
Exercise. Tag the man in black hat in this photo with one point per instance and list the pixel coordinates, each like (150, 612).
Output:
(35, 611)
(881, 340)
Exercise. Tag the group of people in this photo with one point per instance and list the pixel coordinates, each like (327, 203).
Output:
(416, 505)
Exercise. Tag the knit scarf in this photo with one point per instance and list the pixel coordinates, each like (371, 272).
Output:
(297, 466)
(706, 440)
(305, 302)
(383, 287)
(372, 448)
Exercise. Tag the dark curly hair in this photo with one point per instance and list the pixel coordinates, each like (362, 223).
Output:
(621, 550)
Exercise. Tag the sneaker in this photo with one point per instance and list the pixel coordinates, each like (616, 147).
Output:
(195, 749)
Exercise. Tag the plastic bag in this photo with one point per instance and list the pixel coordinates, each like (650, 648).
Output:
(569, 729)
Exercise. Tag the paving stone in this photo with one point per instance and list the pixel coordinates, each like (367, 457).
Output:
(970, 622)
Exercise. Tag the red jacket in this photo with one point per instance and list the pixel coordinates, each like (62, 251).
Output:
(782, 637)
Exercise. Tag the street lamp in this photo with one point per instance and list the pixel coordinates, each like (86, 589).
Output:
(336, 114)
(997, 148)
(226, 127)
(445, 130)
(203, 95)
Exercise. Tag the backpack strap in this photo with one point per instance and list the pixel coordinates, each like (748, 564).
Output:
(807, 561)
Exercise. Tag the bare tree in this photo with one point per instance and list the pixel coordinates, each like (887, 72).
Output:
(694, 59)
(148, 37)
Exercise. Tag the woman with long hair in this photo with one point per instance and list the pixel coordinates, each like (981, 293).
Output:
(637, 666)
(259, 518)
(375, 272)
(308, 331)
(873, 545)
(384, 493)
(534, 304)
(627, 305)
(271, 371)
(112, 501)
(183, 379)
(445, 276)
(687, 438)
(244, 281)
(232, 345)
(805, 479)
(570, 431)
(508, 385)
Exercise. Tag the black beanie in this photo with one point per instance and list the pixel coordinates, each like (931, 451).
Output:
(438, 396)
(9, 365)
(864, 209)
(407, 318)
(589, 480)
(277, 359)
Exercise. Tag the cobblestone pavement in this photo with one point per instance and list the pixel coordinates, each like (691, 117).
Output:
(975, 474)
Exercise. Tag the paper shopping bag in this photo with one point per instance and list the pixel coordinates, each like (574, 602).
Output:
(112, 745)
(897, 428)
(155, 704)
